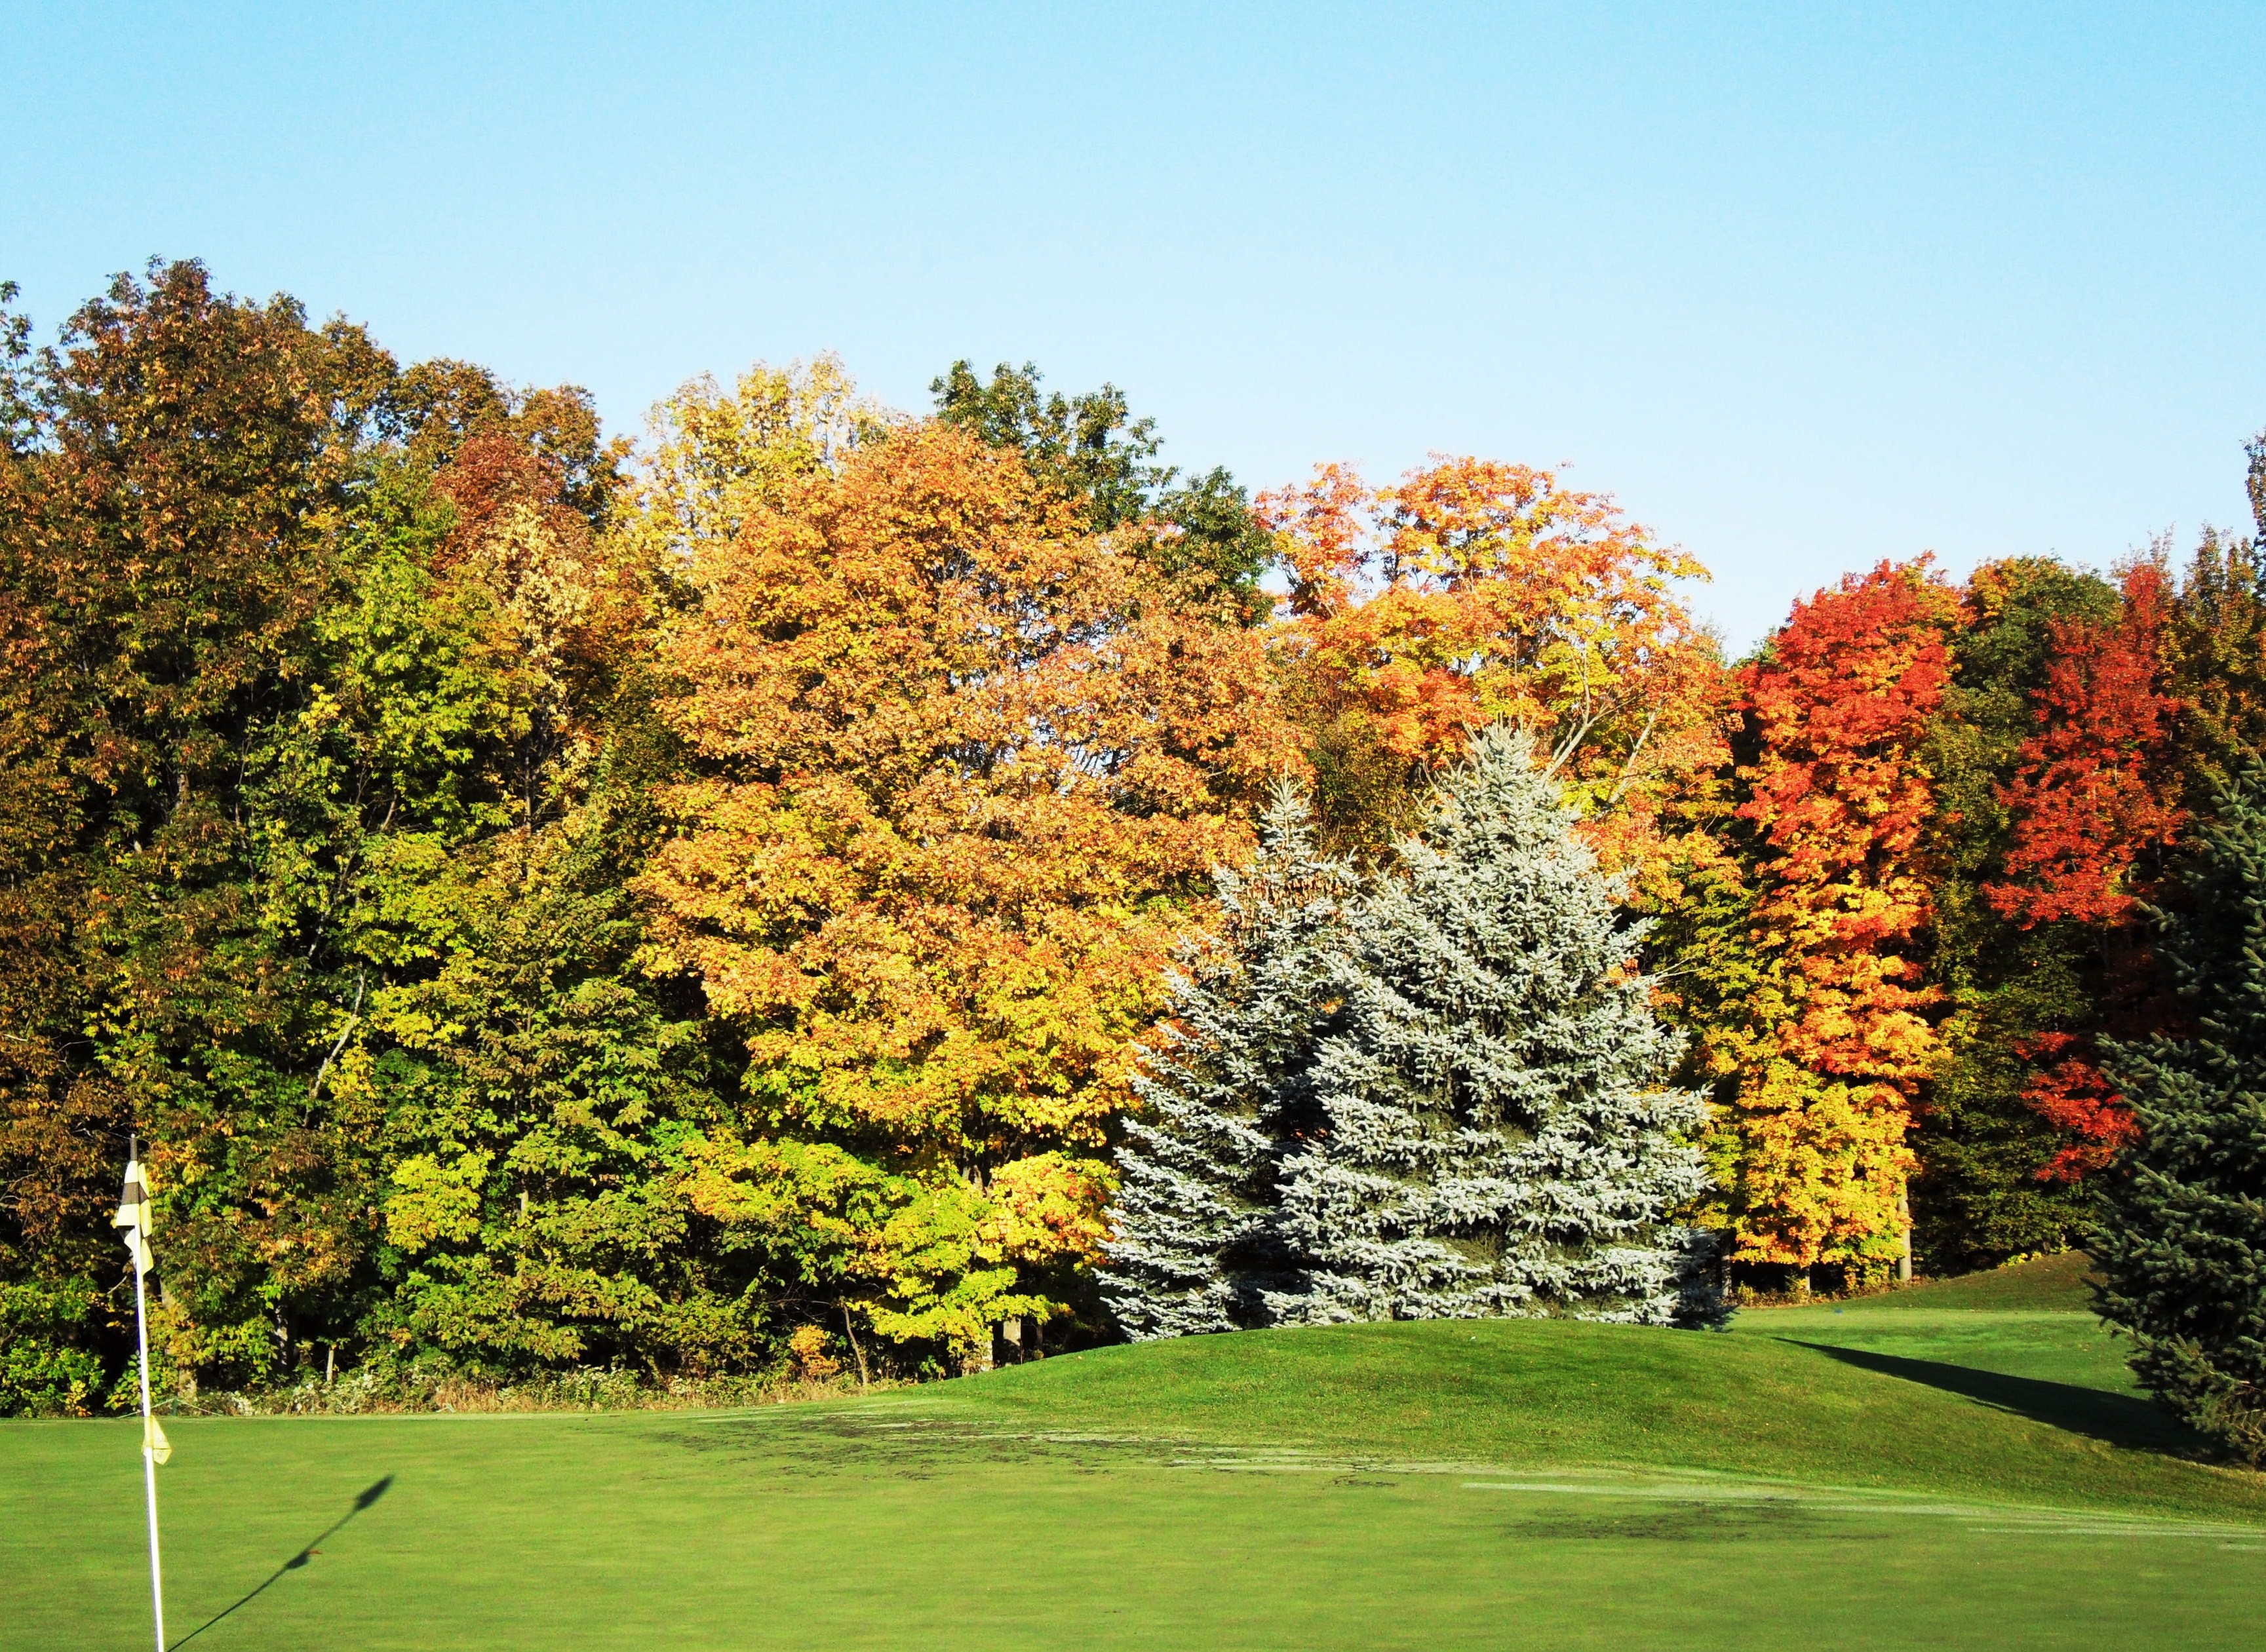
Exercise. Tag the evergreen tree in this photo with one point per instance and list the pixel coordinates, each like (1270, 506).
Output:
(2182, 1241)
(1194, 1247)
(1493, 1136)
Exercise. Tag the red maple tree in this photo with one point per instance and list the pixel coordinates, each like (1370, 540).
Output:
(2089, 799)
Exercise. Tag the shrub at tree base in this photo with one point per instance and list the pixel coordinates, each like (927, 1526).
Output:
(44, 1368)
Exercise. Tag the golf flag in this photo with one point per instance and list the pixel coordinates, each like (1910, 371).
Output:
(133, 1219)
(133, 1215)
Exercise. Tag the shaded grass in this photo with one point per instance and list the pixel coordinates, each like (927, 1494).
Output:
(2052, 1347)
(2113, 1419)
(2023, 1338)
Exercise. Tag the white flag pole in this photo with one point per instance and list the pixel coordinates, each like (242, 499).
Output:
(149, 1452)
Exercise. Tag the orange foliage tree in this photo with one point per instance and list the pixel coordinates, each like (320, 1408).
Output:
(962, 768)
(1476, 591)
(1832, 1035)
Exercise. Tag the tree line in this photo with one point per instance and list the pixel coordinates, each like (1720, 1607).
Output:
(547, 901)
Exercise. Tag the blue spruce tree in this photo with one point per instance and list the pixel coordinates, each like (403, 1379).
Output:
(1230, 1081)
(2181, 1246)
(1490, 1132)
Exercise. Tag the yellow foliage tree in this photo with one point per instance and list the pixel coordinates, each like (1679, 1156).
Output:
(962, 768)
(1831, 1035)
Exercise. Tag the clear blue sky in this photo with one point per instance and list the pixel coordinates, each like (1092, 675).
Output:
(1805, 287)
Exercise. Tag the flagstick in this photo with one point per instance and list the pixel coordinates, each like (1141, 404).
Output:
(149, 1458)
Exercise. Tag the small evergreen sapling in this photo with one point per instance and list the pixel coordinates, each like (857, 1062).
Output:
(1229, 1078)
(2181, 1245)
(1493, 1136)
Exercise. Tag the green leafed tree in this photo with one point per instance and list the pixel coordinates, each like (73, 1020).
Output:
(325, 757)
(541, 1097)
(1199, 528)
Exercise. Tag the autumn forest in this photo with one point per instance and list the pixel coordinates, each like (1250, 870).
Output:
(696, 907)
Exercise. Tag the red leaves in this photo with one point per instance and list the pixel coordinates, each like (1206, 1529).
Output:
(2089, 799)
(2074, 1096)
(1842, 703)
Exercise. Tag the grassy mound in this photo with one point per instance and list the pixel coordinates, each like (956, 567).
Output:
(1780, 1399)
(2046, 1284)
(2023, 1338)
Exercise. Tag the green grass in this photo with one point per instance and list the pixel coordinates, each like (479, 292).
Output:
(1899, 1473)
(2051, 1283)
(2032, 1322)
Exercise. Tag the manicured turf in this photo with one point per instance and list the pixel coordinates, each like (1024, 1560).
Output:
(1915, 1475)
(2033, 1322)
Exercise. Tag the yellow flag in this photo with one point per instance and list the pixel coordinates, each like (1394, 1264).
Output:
(154, 1440)
(133, 1215)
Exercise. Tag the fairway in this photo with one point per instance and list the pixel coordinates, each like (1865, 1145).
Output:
(1907, 1472)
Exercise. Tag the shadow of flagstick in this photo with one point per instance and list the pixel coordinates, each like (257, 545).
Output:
(307, 1553)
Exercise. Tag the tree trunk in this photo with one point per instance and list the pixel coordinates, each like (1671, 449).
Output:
(864, 1380)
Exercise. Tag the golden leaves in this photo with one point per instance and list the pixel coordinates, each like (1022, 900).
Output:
(964, 768)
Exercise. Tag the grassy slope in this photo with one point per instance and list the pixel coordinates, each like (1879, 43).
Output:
(985, 1513)
(2032, 1322)
(2050, 1284)
(1524, 1393)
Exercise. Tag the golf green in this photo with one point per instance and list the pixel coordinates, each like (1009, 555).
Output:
(1917, 1475)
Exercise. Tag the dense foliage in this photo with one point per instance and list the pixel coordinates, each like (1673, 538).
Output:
(955, 768)
(1474, 591)
(1829, 1035)
(752, 900)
